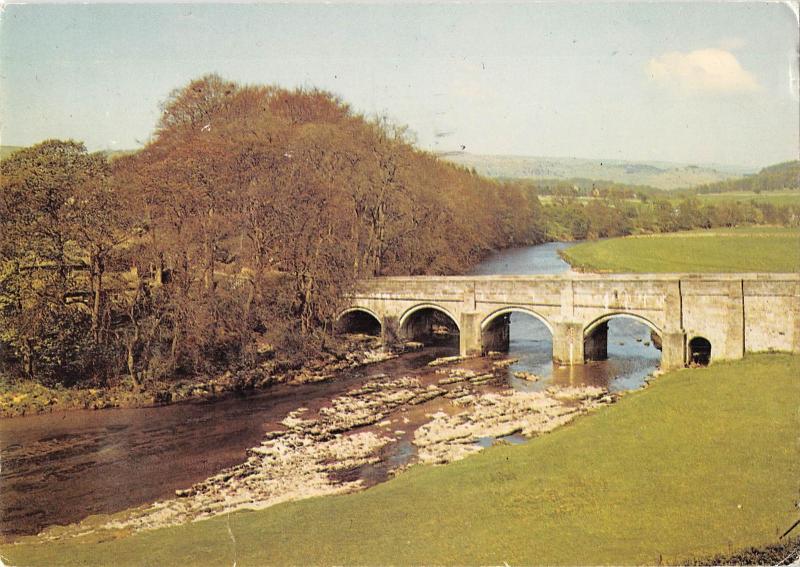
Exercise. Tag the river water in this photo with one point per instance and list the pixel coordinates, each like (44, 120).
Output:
(61, 467)
(631, 356)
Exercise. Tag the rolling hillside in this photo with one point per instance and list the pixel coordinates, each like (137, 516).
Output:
(662, 175)
(778, 177)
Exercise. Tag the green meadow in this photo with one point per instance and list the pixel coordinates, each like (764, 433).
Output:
(788, 197)
(744, 249)
(704, 461)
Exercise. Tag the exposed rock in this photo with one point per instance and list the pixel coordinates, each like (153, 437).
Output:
(458, 392)
(577, 393)
(464, 400)
(448, 438)
(295, 463)
(430, 393)
(529, 376)
(282, 469)
(446, 360)
(455, 375)
(319, 452)
(505, 363)
(482, 379)
(326, 371)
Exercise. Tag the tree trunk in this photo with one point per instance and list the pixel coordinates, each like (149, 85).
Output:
(27, 358)
(130, 346)
(173, 351)
(97, 286)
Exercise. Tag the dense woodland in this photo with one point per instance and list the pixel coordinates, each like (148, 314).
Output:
(773, 178)
(576, 209)
(569, 217)
(234, 232)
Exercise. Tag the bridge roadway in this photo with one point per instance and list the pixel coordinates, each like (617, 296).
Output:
(735, 313)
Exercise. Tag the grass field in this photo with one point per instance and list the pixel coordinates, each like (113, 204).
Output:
(788, 197)
(704, 461)
(746, 249)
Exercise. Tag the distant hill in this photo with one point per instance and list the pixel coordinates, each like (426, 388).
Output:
(773, 178)
(662, 175)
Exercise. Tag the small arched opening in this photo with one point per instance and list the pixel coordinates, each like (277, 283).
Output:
(358, 321)
(429, 325)
(699, 351)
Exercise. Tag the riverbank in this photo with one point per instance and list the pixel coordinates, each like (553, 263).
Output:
(702, 462)
(438, 414)
(25, 397)
(743, 249)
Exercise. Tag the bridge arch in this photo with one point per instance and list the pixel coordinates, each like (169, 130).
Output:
(498, 332)
(419, 307)
(428, 323)
(515, 309)
(595, 334)
(606, 317)
(359, 319)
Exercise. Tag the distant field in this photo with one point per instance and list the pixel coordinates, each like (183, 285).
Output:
(704, 461)
(788, 197)
(746, 249)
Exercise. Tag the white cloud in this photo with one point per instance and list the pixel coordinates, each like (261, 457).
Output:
(709, 70)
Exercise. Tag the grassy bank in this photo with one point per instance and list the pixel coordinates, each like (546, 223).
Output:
(747, 249)
(26, 397)
(705, 461)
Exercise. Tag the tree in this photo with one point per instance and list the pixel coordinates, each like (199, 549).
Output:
(59, 224)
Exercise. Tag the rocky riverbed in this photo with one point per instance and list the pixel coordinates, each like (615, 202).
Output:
(441, 413)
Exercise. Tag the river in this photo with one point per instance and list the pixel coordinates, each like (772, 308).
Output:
(61, 467)
(631, 356)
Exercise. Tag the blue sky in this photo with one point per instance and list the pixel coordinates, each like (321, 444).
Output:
(697, 82)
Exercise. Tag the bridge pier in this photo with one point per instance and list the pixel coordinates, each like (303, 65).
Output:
(568, 343)
(469, 334)
(390, 330)
(673, 350)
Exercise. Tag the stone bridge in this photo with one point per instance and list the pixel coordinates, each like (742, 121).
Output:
(696, 317)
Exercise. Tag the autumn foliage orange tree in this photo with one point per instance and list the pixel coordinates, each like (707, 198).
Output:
(241, 223)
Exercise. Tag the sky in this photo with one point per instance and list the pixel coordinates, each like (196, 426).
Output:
(701, 82)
